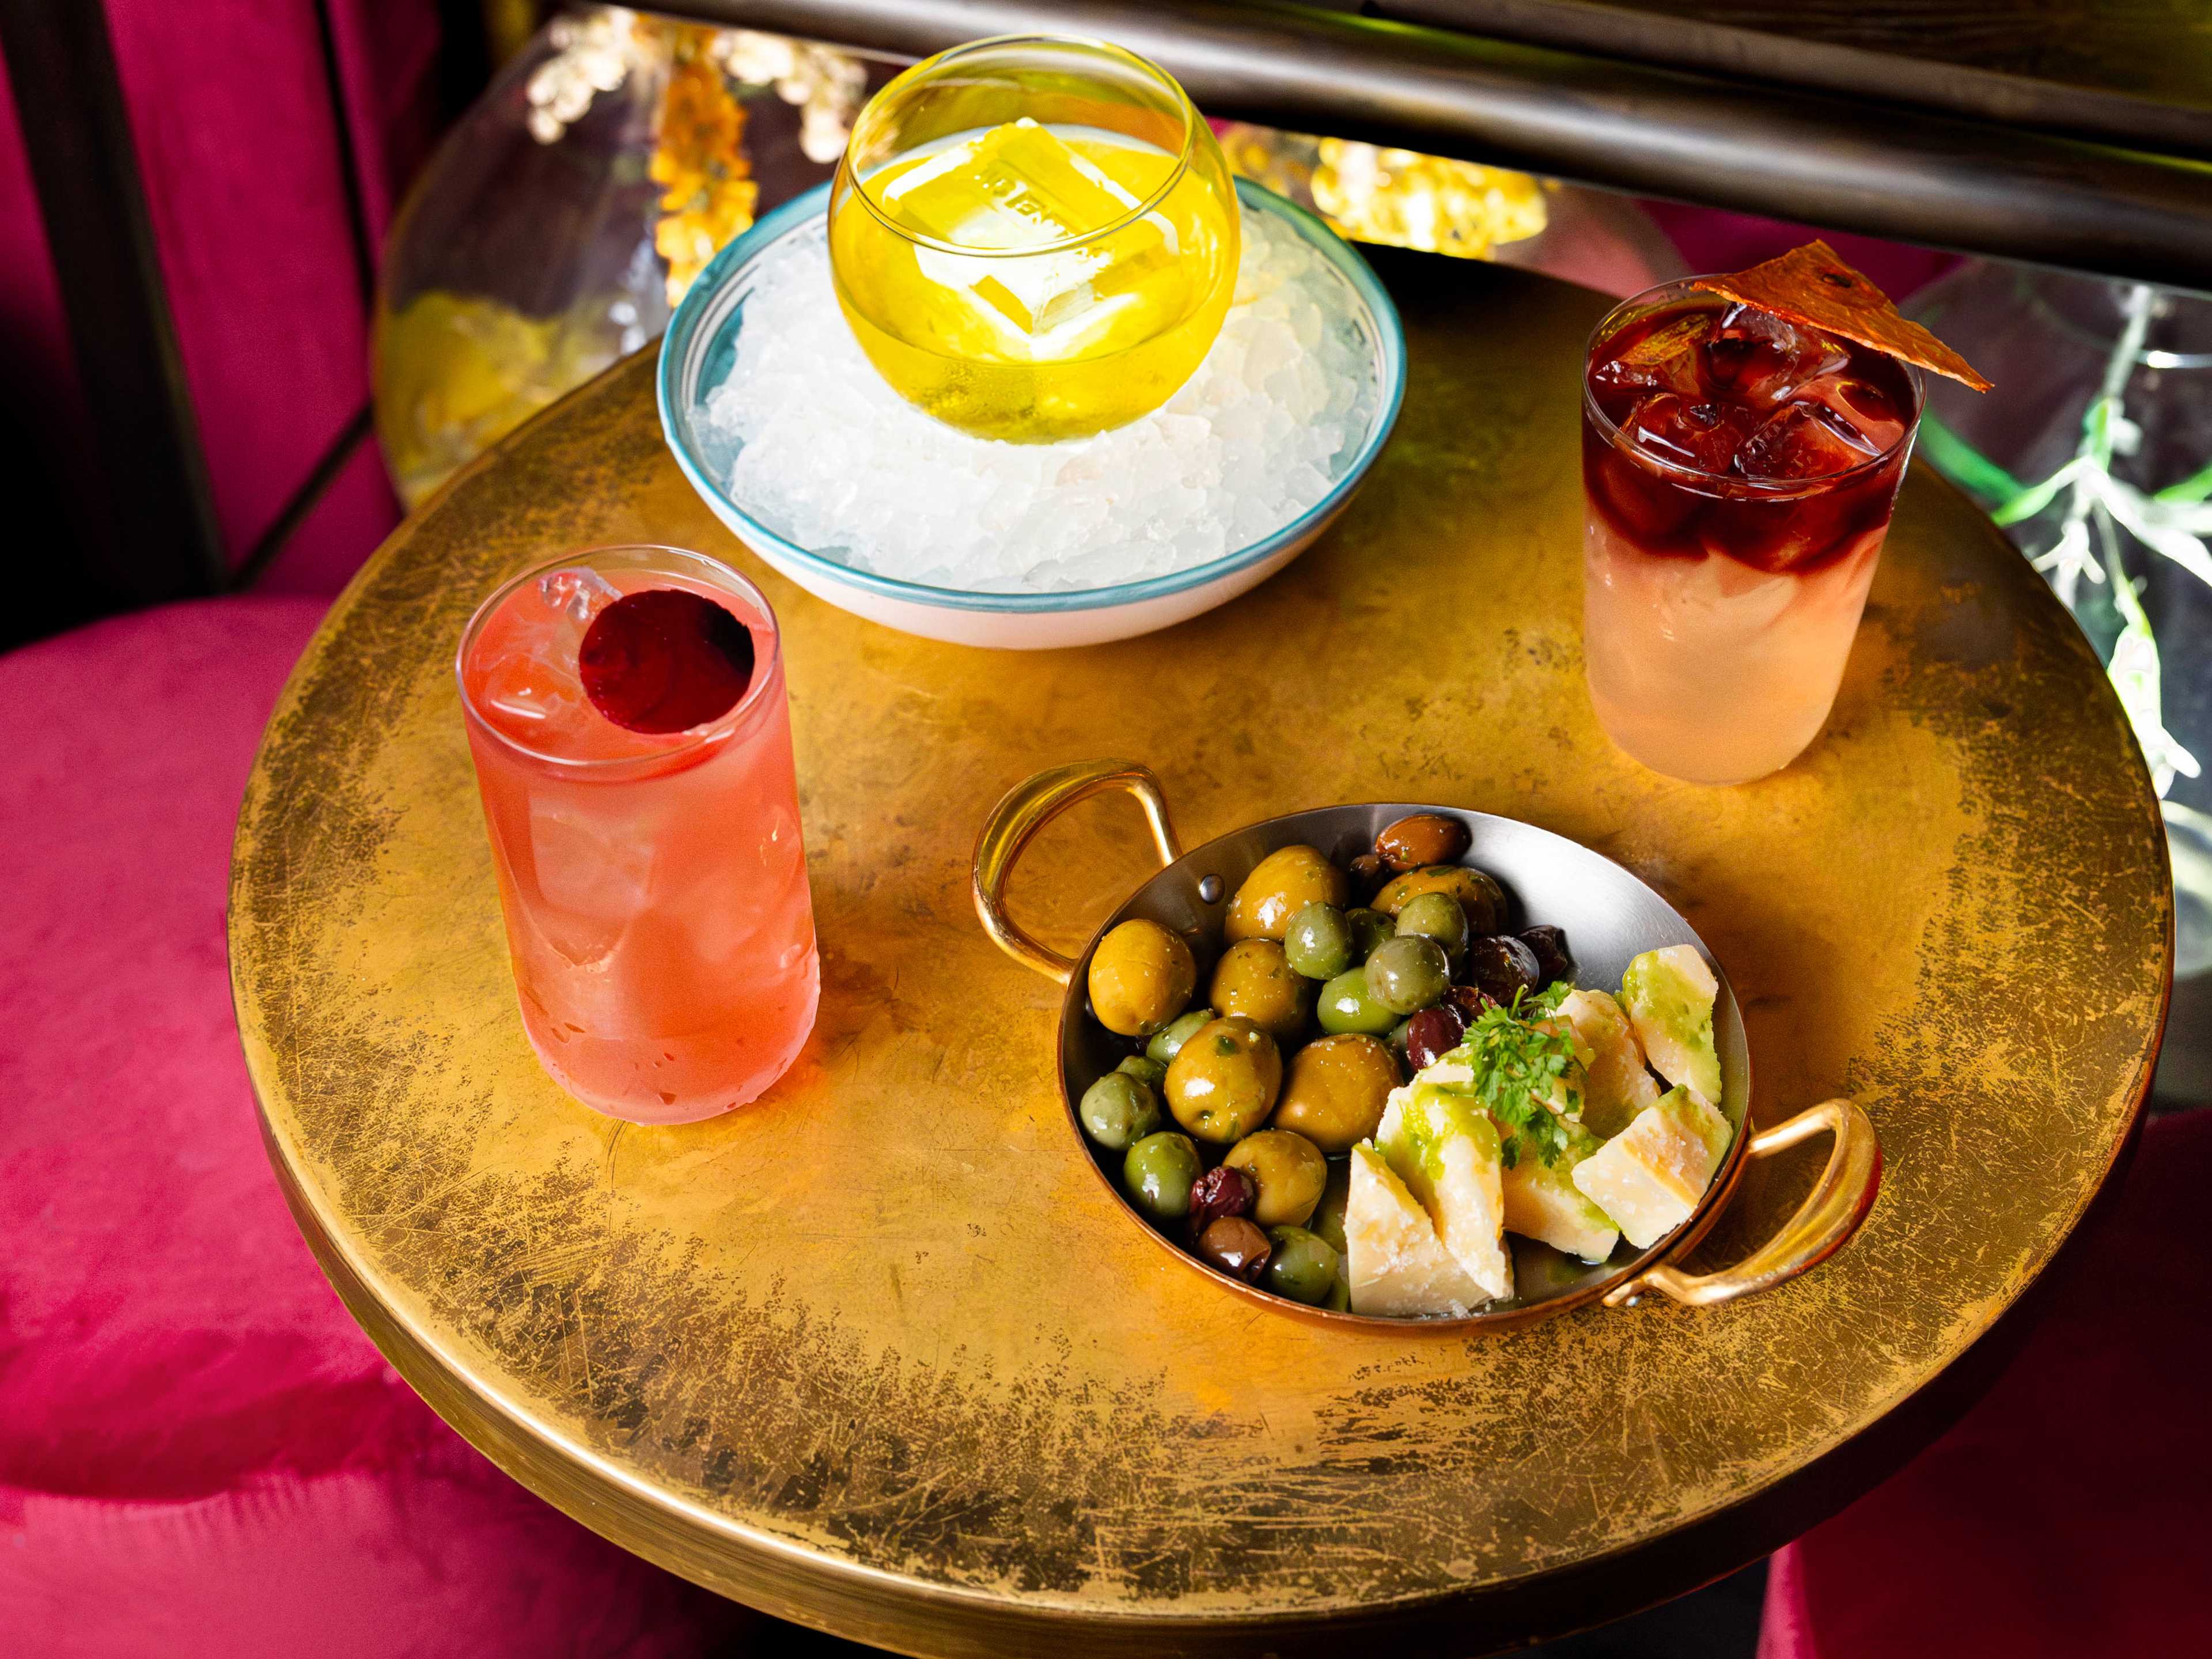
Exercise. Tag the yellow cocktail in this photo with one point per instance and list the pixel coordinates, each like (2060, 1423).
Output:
(1051, 274)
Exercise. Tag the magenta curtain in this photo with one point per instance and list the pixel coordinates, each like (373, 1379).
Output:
(274, 137)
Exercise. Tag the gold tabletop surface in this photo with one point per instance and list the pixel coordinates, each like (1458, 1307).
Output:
(878, 1354)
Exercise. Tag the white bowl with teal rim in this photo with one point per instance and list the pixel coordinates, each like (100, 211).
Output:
(701, 345)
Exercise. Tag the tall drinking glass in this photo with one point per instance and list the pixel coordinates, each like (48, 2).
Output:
(1739, 472)
(1034, 238)
(653, 883)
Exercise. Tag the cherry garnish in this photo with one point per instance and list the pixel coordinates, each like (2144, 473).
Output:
(664, 660)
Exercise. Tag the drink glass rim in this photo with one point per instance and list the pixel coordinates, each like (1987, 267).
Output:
(696, 741)
(1192, 125)
(1729, 483)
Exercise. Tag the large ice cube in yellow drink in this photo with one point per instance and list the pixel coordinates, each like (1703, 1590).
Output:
(1019, 190)
(1044, 303)
(1016, 187)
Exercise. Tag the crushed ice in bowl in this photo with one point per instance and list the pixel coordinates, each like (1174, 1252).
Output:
(832, 459)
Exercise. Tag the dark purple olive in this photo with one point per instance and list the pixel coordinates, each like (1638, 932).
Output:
(1218, 1192)
(1368, 874)
(1468, 1003)
(1236, 1246)
(1500, 966)
(1431, 1033)
(1552, 962)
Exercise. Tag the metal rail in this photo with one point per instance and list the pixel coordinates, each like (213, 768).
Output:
(1737, 53)
(1946, 182)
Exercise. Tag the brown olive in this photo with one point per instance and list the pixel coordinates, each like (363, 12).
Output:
(1255, 979)
(1280, 886)
(1480, 896)
(1432, 1034)
(1425, 838)
(1221, 1191)
(1141, 976)
(1500, 967)
(1236, 1247)
(1223, 1081)
(1288, 1172)
(1552, 962)
(1336, 1090)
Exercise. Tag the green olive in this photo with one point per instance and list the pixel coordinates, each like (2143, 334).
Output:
(1426, 838)
(1368, 929)
(1339, 1293)
(1255, 980)
(1280, 886)
(1300, 1266)
(1288, 1170)
(1141, 976)
(1223, 1081)
(1147, 1070)
(1159, 1173)
(1346, 1005)
(1318, 942)
(1408, 973)
(1438, 916)
(1119, 1109)
(1480, 896)
(1326, 1222)
(1336, 1090)
(1170, 1037)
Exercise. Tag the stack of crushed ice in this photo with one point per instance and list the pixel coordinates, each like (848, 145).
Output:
(834, 460)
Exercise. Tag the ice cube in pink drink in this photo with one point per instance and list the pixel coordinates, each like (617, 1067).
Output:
(1756, 358)
(1675, 429)
(1799, 441)
(1666, 359)
(1860, 404)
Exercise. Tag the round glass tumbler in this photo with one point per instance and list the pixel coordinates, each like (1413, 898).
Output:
(1738, 475)
(1034, 238)
(653, 883)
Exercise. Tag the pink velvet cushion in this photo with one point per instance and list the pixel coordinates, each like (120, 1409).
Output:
(200, 1452)
(2069, 1514)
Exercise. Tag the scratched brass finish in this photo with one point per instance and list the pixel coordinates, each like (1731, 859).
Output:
(878, 1353)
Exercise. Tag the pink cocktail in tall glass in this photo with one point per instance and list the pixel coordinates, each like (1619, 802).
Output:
(1740, 471)
(653, 882)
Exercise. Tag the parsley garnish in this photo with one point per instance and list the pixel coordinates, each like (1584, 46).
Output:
(1514, 1066)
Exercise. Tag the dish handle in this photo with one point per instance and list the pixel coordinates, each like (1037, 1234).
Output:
(1027, 808)
(1830, 1213)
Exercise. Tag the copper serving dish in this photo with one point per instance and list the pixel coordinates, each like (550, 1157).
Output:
(1609, 915)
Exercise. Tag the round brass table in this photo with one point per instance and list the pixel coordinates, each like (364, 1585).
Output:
(879, 1355)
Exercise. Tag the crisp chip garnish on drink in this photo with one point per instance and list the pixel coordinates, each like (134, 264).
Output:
(1812, 286)
(664, 660)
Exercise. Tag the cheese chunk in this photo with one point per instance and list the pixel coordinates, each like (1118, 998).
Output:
(1395, 1263)
(1615, 1085)
(1668, 996)
(1542, 1201)
(1445, 1149)
(1650, 1177)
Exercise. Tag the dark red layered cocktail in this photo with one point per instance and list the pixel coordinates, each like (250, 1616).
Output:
(1740, 471)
